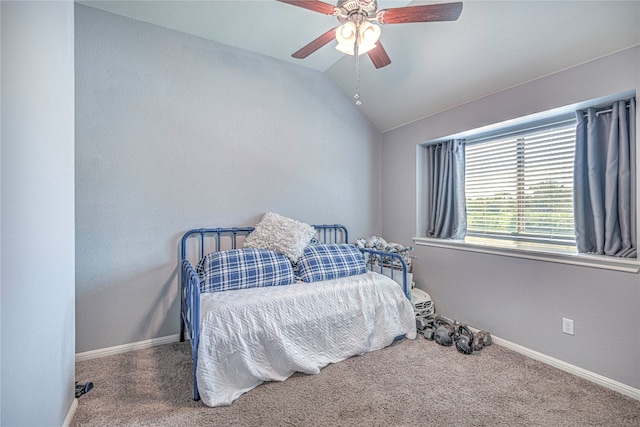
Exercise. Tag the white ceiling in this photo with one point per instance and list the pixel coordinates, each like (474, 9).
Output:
(435, 66)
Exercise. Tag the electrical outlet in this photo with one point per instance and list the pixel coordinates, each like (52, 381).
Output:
(567, 326)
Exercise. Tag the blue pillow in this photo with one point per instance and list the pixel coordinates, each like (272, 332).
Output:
(330, 261)
(243, 268)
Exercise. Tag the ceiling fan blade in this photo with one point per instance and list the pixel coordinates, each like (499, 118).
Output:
(379, 56)
(316, 44)
(315, 5)
(424, 13)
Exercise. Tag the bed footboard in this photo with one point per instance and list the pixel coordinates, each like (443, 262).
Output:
(381, 262)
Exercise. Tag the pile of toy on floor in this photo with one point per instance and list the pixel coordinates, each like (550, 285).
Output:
(444, 331)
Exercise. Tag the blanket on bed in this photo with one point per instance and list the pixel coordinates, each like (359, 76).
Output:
(253, 335)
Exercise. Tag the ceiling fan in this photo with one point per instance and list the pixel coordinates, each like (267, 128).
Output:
(359, 31)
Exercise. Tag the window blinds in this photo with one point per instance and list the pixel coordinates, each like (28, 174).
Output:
(519, 185)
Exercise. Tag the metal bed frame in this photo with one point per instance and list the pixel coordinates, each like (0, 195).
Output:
(190, 282)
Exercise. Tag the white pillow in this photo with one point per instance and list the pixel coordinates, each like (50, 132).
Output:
(281, 234)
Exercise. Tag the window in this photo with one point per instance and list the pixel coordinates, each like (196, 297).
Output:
(511, 189)
(519, 185)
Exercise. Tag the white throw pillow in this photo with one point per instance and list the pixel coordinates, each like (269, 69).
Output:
(281, 234)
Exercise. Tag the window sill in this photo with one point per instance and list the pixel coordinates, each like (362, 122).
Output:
(529, 252)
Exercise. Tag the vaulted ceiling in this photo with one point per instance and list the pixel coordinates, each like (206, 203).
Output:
(494, 45)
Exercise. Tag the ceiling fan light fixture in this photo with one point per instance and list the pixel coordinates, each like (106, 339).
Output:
(367, 35)
(346, 33)
(346, 37)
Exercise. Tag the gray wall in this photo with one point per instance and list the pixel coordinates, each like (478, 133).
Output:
(523, 301)
(175, 132)
(37, 200)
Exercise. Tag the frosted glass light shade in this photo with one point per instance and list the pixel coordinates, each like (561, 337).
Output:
(367, 35)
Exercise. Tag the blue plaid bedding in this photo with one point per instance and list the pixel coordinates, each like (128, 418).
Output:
(243, 268)
(330, 261)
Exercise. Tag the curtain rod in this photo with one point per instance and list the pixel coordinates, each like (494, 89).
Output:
(607, 109)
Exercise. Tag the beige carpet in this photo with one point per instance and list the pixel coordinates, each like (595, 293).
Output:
(411, 383)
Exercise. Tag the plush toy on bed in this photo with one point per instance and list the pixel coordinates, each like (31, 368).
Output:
(378, 243)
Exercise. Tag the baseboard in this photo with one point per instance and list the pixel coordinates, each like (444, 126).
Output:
(72, 413)
(102, 352)
(632, 392)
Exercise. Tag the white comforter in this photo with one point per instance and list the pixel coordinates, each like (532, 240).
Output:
(266, 334)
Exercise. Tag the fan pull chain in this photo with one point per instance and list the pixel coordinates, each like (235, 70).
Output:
(357, 95)
(357, 55)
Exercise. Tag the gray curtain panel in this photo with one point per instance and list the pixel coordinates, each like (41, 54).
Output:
(605, 206)
(447, 207)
